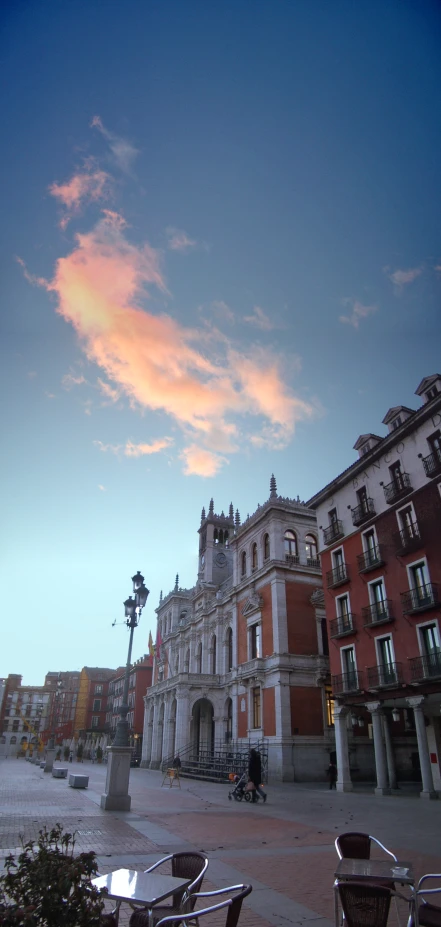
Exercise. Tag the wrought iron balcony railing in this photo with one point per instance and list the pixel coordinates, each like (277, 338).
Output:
(408, 539)
(426, 667)
(313, 562)
(333, 532)
(432, 463)
(399, 487)
(343, 625)
(337, 576)
(363, 512)
(377, 613)
(347, 682)
(370, 560)
(388, 674)
(292, 559)
(420, 599)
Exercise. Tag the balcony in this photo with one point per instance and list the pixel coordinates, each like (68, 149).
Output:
(399, 487)
(378, 613)
(385, 676)
(338, 576)
(420, 599)
(370, 560)
(333, 532)
(342, 626)
(408, 539)
(426, 668)
(313, 562)
(363, 512)
(432, 463)
(347, 682)
(292, 559)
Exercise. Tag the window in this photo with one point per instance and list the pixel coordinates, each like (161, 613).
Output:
(349, 667)
(370, 546)
(311, 547)
(396, 474)
(254, 641)
(98, 690)
(344, 619)
(395, 423)
(213, 654)
(95, 721)
(366, 448)
(419, 582)
(254, 558)
(338, 565)
(362, 497)
(377, 597)
(15, 725)
(386, 661)
(329, 706)
(199, 659)
(243, 563)
(407, 522)
(430, 649)
(256, 706)
(290, 544)
(13, 740)
(229, 650)
(266, 547)
(431, 393)
(434, 442)
(333, 517)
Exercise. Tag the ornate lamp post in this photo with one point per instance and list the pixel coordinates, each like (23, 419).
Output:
(116, 796)
(51, 749)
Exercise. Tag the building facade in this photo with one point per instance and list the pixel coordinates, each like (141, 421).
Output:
(242, 656)
(379, 525)
(140, 680)
(89, 724)
(24, 717)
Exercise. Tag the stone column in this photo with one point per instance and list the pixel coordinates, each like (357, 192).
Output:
(158, 728)
(379, 748)
(168, 747)
(116, 794)
(390, 758)
(423, 749)
(344, 782)
(182, 731)
(279, 616)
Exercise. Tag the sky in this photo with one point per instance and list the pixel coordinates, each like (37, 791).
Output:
(220, 258)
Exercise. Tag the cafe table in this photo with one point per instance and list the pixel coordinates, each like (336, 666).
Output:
(143, 888)
(380, 871)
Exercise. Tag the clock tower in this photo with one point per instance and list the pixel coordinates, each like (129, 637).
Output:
(215, 555)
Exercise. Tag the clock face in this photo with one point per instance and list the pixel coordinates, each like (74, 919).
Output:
(220, 560)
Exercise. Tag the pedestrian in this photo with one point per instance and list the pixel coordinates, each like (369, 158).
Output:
(71, 757)
(332, 774)
(177, 763)
(255, 775)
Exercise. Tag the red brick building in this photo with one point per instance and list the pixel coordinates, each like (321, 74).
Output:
(140, 680)
(91, 706)
(379, 524)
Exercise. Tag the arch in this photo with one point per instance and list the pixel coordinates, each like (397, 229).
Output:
(13, 740)
(311, 547)
(226, 538)
(290, 539)
(221, 536)
(243, 563)
(229, 643)
(213, 655)
(216, 536)
(266, 547)
(254, 557)
(202, 725)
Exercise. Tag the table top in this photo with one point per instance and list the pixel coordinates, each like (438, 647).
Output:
(381, 870)
(147, 888)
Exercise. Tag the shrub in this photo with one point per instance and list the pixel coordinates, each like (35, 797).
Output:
(47, 885)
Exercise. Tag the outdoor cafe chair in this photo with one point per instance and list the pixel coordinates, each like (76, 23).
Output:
(356, 845)
(233, 904)
(428, 915)
(184, 866)
(366, 904)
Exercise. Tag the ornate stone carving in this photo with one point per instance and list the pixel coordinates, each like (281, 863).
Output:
(252, 604)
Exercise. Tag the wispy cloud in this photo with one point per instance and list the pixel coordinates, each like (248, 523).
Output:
(123, 152)
(200, 462)
(402, 278)
(70, 380)
(86, 186)
(130, 449)
(359, 312)
(49, 395)
(32, 374)
(260, 319)
(178, 240)
(108, 391)
(101, 487)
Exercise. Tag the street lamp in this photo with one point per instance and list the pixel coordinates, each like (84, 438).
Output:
(133, 608)
(55, 713)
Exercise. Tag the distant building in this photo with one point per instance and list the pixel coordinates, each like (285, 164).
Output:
(91, 705)
(242, 656)
(140, 680)
(24, 716)
(64, 689)
(380, 541)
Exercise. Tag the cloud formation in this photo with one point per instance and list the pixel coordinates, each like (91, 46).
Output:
(88, 186)
(359, 311)
(130, 449)
(402, 278)
(200, 462)
(178, 240)
(70, 380)
(123, 152)
(260, 319)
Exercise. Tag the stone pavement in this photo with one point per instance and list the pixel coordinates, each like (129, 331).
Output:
(284, 848)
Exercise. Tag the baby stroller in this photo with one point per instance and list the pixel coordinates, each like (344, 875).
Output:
(240, 783)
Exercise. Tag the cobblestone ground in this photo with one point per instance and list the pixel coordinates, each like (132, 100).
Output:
(284, 848)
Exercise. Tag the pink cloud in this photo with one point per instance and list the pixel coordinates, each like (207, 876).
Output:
(178, 240)
(130, 449)
(123, 152)
(84, 186)
(359, 311)
(200, 462)
(260, 319)
(402, 278)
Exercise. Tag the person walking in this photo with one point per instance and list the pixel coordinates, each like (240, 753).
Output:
(332, 773)
(255, 775)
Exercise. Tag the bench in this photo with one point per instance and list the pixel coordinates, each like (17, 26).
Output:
(59, 772)
(78, 782)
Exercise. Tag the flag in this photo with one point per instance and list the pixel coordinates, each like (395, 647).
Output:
(150, 644)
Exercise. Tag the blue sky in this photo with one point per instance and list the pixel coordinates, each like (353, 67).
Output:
(220, 258)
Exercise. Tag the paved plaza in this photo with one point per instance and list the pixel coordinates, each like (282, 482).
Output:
(284, 848)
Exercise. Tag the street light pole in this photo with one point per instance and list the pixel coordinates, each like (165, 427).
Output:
(116, 796)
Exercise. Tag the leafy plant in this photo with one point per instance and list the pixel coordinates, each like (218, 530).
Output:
(47, 885)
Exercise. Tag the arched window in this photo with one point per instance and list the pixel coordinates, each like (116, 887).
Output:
(221, 536)
(254, 557)
(187, 660)
(199, 658)
(229, 650)
(13, 740)
(243, 564)
(290, 544)
(226, 541)
(213, 654)
(216, 536)
(266, 547)
(311, 547)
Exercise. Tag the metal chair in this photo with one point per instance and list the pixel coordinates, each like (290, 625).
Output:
(233, 904)
(427, 914)
(183, 865)
(356, 845)
(366, 904)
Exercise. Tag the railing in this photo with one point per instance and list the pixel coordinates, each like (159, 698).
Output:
(333, 531)
(371, 559)
(377, 613)
(408, 539)
(292, 559)
(420, 599)
(432, 463)
(251, 668)
(426, 667)
(344, 624)
(400, 486)
(347, 682)
(337, 576)
(388, 674)
(363, 512)
(313, 562)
